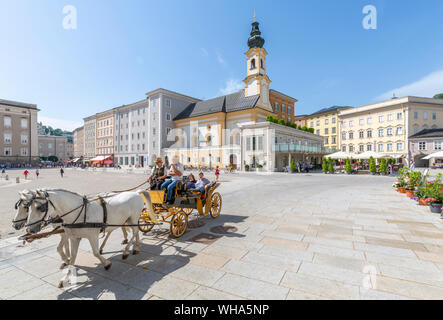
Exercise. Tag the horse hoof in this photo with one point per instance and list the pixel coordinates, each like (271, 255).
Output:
(63, 265)
(60, 284)
(125, 256)
(134, 252)
(108, 266)
(125, 241)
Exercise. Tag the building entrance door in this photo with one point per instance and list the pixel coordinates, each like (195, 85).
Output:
(141, 161)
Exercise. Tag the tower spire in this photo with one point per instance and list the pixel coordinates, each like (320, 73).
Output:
(255, 16)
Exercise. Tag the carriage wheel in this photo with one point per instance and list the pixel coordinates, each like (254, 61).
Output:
(179, 224)
(144, 225)
(216, 204)
(188, 211)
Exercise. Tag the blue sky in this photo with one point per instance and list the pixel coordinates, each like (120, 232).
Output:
(318, 51)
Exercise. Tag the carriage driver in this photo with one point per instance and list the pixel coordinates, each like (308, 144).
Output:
(158, 175)
(176, 173)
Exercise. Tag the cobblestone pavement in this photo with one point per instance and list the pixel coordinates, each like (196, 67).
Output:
(310, 236)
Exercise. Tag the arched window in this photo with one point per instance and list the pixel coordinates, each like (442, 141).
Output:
(252, 64)
(209, 140)
(262, 65)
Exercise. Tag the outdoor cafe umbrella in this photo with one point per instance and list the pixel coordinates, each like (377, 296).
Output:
(366, 155)
(434, 155)
(340, 155)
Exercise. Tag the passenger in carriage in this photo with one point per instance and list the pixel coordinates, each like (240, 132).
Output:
(158, 175)
(191, 182)
(176, 173)
(202, 184)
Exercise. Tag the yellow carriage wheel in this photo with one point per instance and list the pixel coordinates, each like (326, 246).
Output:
(179, 224)
(144, 225)
(216, 205)
(188, 211)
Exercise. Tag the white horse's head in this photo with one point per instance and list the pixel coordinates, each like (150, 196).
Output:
(40, 211)
(22, 209)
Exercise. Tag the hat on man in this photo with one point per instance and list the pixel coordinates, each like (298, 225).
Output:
(159, 159)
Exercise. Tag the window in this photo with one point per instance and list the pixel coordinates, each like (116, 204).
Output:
(343, 136)
(168, 103)
(380, 119)
(351, 148)
(276, 106)
(415, 115)
(317, 123)
(390, 117)
(334, 140)
(361, 134)
(399, 146)
(399, 131)
(289, 110)
(318, 132)
(7, 137)
(380, 147)
(168, 116)
(425, 115)
(259, 144)
(24, 139)
(415, 129)
(49, 145)
(7, 121)
(422, 146)
(312, 124)
(361, 122)
(381, 132)
(361, 148)
(252, 64)
(326, 141)
(283, 108)
(351, 135)
(326, 131)
(369, 120)
(248, 143)
(399, 116)
(7, 151)
(389, 147)
(344, 124)
(24, 123)
(389, 132)
(438, 144)
(153, 131)
(334, 120)
(343, 149)
(326, 121)
(153, 116)
(351, 123)
(334, 130)
(168, 130)
(369, 134)
(23, 151)
(369, 147)
(434, 115)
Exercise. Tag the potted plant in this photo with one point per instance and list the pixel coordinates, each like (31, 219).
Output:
(383, 167)
(435, 192)
(292, 166)
(324, 166)
(246, 167)
(330, 166)
(435, 205)
(348, 167)
(372, 167)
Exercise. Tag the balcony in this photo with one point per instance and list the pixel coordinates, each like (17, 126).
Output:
(300, 148)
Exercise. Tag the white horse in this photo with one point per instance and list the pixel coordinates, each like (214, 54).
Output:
(74, 210)
(21, 216)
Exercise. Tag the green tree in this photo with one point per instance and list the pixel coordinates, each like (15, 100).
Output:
(383, 166)
(372, 167)
(324, 165)
(348, 167)
(438, 96)
(330, 165)
(292, 167)
(282, 122)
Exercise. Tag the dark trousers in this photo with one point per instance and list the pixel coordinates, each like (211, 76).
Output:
(156, 184)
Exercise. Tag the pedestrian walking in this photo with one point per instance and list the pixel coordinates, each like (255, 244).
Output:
(217, 173)
(3, 171)
(61, 172)
(26, 172)
(37, 172)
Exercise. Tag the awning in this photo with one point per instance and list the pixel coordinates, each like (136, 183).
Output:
(75, 160)
(99, 158)
(434, 155)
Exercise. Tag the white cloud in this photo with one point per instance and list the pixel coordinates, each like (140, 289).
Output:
(232, 86)
(428, 86)
(60, 123)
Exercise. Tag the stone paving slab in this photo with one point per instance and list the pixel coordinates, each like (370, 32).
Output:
(295, 239)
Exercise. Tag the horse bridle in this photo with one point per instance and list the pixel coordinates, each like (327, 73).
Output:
(44, 207)
(26, 206)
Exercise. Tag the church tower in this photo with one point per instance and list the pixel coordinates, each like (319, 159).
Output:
(257, 81)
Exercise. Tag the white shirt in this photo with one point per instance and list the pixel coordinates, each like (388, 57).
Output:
(180, 168)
